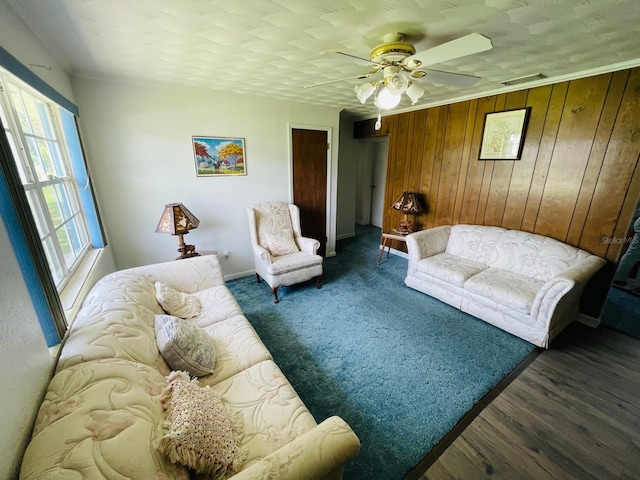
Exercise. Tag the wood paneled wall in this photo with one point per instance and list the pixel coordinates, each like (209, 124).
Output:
(578, 178)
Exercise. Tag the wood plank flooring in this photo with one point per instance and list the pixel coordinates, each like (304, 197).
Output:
(572, 413)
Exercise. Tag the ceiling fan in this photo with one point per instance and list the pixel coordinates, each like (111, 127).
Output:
(401, 66)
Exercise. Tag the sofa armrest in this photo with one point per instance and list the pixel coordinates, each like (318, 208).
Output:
(188, 275)
(320, 453)
(568, 285)
(426, 243)
(308, 245)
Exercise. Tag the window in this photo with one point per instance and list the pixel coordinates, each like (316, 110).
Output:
(33, 127)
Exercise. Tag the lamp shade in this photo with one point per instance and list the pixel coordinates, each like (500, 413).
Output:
(414, 92)
(408, 202)
(364, 91)
(176, 219)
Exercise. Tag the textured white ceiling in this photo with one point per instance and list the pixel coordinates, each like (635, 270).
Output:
(273, 47)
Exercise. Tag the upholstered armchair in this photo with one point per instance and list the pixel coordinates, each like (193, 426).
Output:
(282, 255)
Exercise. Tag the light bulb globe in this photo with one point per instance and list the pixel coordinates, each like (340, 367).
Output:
(386, 100)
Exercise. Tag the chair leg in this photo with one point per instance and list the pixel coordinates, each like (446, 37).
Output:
(318, 285)
(275, 295)
(257, 278)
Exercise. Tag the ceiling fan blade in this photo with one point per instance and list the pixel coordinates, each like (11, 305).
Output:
(358, 77)
(446, 78)
(338, 52)
(460, 47)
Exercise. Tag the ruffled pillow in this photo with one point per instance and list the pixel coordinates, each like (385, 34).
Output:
(178, 304)
(199, 433)
(281, 243)
(185, 346)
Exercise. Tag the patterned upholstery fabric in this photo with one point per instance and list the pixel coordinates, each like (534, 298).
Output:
(508, 288)
(535, 256)
(526, 284)
(450, 268)
(102, 414)
(271, 218)
(474, 242)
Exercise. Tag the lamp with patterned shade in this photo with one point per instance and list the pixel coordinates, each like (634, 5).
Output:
(409, 202)
(178, 220)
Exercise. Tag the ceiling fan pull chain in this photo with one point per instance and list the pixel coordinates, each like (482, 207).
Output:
(378, 124)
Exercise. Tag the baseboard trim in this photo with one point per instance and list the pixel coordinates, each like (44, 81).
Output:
(588, 320)
(235, 276)
(346, 235)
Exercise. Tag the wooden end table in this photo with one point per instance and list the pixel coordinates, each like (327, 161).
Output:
(386, 240)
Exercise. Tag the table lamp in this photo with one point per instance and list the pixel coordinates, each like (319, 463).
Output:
(409, 202)
(177, 220)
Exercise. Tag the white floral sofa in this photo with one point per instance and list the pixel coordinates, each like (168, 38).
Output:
(102, 415)
(526, 284)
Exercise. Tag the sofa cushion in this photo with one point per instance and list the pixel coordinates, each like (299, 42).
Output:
(200, 434)
(116, 321)
(474, 242)
(534, 255)
(177, 303)
(185, 346)
(218, 304)
(293, 262)
(99, 420)
(238, 346)
(450, 268)
(273, 412)
(507, 288)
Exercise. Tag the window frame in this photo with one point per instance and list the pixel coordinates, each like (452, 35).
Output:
(18, 220)
(58, 178)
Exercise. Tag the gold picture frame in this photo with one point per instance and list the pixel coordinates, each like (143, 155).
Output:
(503, 134)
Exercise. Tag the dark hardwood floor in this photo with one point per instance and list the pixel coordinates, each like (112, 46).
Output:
(572, 413)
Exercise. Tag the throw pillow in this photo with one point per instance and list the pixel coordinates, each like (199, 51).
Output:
(199, 432)
(178, 304)
(185, 346)
(281, 243)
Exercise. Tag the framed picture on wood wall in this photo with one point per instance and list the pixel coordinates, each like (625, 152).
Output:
(219, 156)
(503, 135)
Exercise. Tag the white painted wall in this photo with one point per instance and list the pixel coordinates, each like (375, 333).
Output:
(17, 39)
(139, 146)
(24, 358)
(371, 151)
(347, 178)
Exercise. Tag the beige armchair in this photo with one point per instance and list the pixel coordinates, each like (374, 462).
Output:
(282, 255)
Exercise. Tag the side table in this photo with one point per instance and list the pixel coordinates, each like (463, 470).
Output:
(201, 254)
(386, 240)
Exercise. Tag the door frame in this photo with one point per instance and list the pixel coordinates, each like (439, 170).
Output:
(329, 227)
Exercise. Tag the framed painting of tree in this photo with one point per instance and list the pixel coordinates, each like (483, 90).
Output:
(219, 156)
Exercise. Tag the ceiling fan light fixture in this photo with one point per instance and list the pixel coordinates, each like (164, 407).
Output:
(414, 92)
(397, 83)
(386, 99)
(364, 91)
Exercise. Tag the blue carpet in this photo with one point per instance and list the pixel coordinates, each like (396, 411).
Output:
(621, 312)
(399, 366)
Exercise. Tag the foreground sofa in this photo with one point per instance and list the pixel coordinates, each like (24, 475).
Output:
(102, 416)
(526, 284)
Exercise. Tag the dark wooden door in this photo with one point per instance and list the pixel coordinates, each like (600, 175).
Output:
(310, 182)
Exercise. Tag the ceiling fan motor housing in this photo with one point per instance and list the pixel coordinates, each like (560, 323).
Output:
(392, 52)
